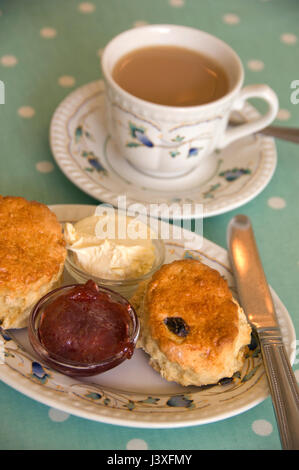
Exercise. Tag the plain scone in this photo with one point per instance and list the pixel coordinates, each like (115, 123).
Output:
(32, 255)
(191, 326)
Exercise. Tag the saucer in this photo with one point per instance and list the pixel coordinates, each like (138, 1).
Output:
(85, 152)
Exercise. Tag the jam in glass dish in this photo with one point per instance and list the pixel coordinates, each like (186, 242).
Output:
(83, 329)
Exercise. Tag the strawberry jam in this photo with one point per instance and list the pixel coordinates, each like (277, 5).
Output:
(86, 325)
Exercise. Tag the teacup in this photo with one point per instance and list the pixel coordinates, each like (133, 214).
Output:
(169, 141)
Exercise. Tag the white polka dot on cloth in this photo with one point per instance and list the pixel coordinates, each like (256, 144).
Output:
(86, 7)
(8, 60)
(66, 81)
(48, 33)
(255, 65)
(26, 112)
(276, 203)
(262, 427)
(231, 18)
(288, 38)
(57, 416)
(44, 167)
(136, 444)
(283, 115)
(177, 3)
(139, 23)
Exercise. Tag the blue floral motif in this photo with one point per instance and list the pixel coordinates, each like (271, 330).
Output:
(213, 188)
(130, 405)
(234, 174)
(78, 133)
(193, 151)
(4, 335)
(138, 133)
(189, 255)
(150, 401)
(178, 138)
(94, 162)
(174, 153)
(94, 396)
(143, 139)
(180, 400)
(39, 373)
(250, 374)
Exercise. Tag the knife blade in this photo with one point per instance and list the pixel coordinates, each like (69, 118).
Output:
(256, 300)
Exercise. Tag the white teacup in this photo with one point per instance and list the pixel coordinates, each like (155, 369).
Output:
(168, 141)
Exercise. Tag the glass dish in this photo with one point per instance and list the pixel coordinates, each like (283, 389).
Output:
(125, 287)
(75, 368)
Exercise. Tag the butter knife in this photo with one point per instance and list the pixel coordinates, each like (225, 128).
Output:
(256, 300)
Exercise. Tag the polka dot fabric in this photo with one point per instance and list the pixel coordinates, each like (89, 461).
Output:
(8, 60)
(48, 33)
(46, 52)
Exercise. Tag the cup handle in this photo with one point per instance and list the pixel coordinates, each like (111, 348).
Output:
(251, 91)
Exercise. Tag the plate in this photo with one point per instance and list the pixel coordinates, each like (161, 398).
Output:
(86, 154)
(133, 394)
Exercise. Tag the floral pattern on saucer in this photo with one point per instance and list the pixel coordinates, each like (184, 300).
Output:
(93, 162)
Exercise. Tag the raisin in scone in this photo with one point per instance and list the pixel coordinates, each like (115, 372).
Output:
(191, 326)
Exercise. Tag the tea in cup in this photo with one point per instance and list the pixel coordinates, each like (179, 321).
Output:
(170, 91)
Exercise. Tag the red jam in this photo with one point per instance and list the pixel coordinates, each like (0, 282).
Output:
(85, 325)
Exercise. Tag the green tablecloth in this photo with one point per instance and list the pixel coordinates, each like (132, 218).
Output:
(47, 49)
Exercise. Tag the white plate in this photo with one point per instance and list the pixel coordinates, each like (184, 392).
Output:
(133, 394)
(86, 154)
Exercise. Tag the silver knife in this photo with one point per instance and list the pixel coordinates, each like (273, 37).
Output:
(256, 300)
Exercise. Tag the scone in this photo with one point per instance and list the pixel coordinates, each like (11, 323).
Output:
(191, 326)
(32, 255)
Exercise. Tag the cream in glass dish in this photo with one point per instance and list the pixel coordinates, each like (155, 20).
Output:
(114, 250)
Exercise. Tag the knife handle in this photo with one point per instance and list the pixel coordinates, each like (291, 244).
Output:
(258, 305)
(283, 387)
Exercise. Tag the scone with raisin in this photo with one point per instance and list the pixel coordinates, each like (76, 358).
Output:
(32, 255)
(191, 326)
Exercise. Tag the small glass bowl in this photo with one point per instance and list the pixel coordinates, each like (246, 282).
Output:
(75, 368)
(125, 287)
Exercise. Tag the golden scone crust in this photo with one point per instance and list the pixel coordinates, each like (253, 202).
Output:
(32, 255)
(191, 325)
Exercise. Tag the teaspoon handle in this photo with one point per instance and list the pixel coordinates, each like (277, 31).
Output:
(285, 133)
